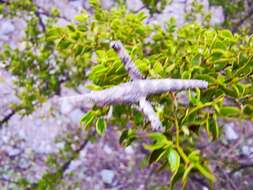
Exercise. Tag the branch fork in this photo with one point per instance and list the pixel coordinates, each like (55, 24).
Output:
(135, 91)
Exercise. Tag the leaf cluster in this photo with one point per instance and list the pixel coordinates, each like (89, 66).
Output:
(80, 51)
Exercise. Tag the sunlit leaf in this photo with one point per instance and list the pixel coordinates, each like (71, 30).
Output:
(174, 160)
(101, 126)
(229, 111)
(87, 119)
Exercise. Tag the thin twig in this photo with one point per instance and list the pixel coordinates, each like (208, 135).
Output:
(7, 118)
(65, 166)
(41, 23)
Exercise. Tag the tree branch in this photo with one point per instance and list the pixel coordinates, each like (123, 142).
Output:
(131, 92)
(41, 23)
(7, 118)
(132, 70)
(148, 110)
(134, 73)
(66, 165)
(144, 105)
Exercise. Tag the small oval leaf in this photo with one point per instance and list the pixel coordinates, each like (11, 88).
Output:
(174, 160)
(100, 126)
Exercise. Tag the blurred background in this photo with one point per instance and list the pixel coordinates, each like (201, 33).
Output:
(27, 143)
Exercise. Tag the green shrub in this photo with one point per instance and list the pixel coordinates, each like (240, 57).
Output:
(66, 55)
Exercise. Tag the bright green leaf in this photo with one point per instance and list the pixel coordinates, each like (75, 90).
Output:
(87, 119)
(101, 126)
(174, 160)
(229, 111)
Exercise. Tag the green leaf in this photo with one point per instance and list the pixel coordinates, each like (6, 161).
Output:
(87, 119)
(208, 126)
(156, 155)
(186, 75)
(153, 147)
(214, 127)
(127, 137)
(123, 136)
(217, 54)
(219, 44)
(93, 87)
(248, 110)
(101, 126)
(207, 77)
(158, 68)
(82, 18)
(174, 160)
(159, 138)
(142, 65)
(160, 141)
(98, 69)
(196, 60)
(245, 69)
(229, 111)
(185, 130)
(194, 98)
(71, 27)
(54, 12)
(194, 156)
(64, 43)
(227, 34)
(52, 34)
(170, 68)
(79, 50)
(138, 118)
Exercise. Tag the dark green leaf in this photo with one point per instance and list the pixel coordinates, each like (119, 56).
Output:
(63, 43)
(156, 155)
(214, 127)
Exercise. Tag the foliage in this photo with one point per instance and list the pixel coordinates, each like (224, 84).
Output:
(80, 51)
(155, 6)
(198, 14)
(236, 13)
(15, 7)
